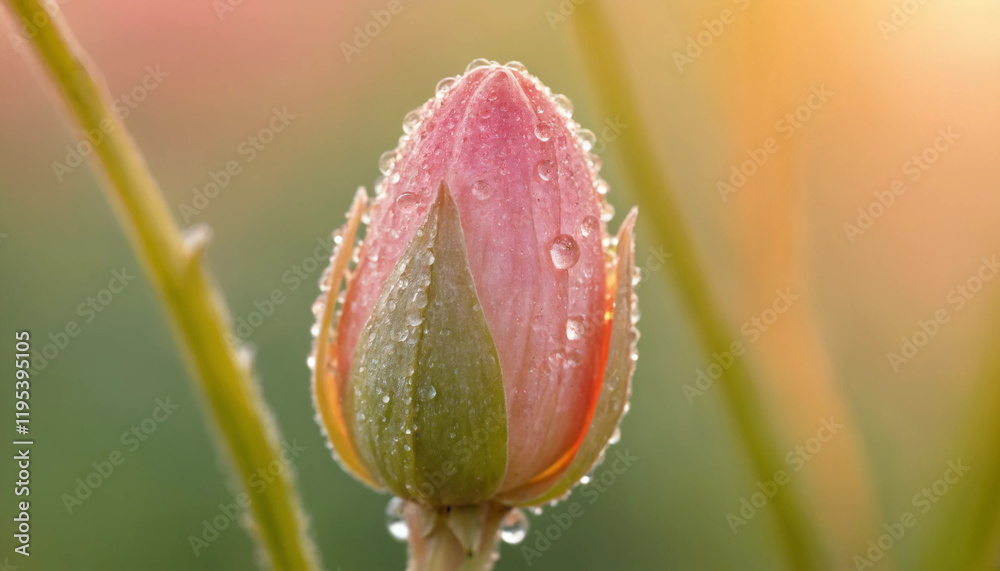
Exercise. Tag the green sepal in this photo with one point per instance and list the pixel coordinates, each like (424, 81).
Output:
(426, 388)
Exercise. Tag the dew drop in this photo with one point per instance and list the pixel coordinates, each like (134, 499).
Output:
(546, 169)
(589, 226)
(616, 436)
(588, 138)
(443, 86)
(385, 399)
(482, 190)
(411, 121)
(406, 202)
(565, 253)
(395, 521)
(516, 66)
(386, 161)
(514, 527)
(602, 186)
(607, 211)
(420, 299)
(413, 318)
(478, 63)
(563, 104)
(575, 327)
(426, 392)
(543, 130)
(535, 510)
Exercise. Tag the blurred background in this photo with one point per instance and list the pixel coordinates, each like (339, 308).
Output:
(845, 98)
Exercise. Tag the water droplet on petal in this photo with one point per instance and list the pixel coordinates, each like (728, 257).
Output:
(516, 66)
(395, 521)
(546, 169)
(589, 226)
(563, 103)
(413, 318)
(543, 130)
(482, 190)
(588, 138)
(478, 63)
(386, 161)
(616, 436)
(411, 121)
(565, 253)
(514, 527)
(406, 201)
(601, 186)
(575, 327)
(426, 392)
(443, 86)
(385, 399)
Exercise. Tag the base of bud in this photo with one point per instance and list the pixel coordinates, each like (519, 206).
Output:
(453, 538)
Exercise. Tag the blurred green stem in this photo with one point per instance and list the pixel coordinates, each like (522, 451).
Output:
(200, 320)
(967, 535)
(603, 59)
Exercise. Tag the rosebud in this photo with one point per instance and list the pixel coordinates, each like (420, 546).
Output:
(483, 346)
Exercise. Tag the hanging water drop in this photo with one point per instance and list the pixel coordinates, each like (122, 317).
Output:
(514, 527)
(395, 520)
(565, 253)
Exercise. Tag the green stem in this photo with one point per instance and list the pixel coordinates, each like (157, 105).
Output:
(602, 58)
(199, 319)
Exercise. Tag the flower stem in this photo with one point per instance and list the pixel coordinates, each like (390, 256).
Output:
(434, 537)
(199, 319)
(602, 58)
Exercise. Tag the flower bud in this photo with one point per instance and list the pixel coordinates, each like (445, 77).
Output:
(484, 343)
